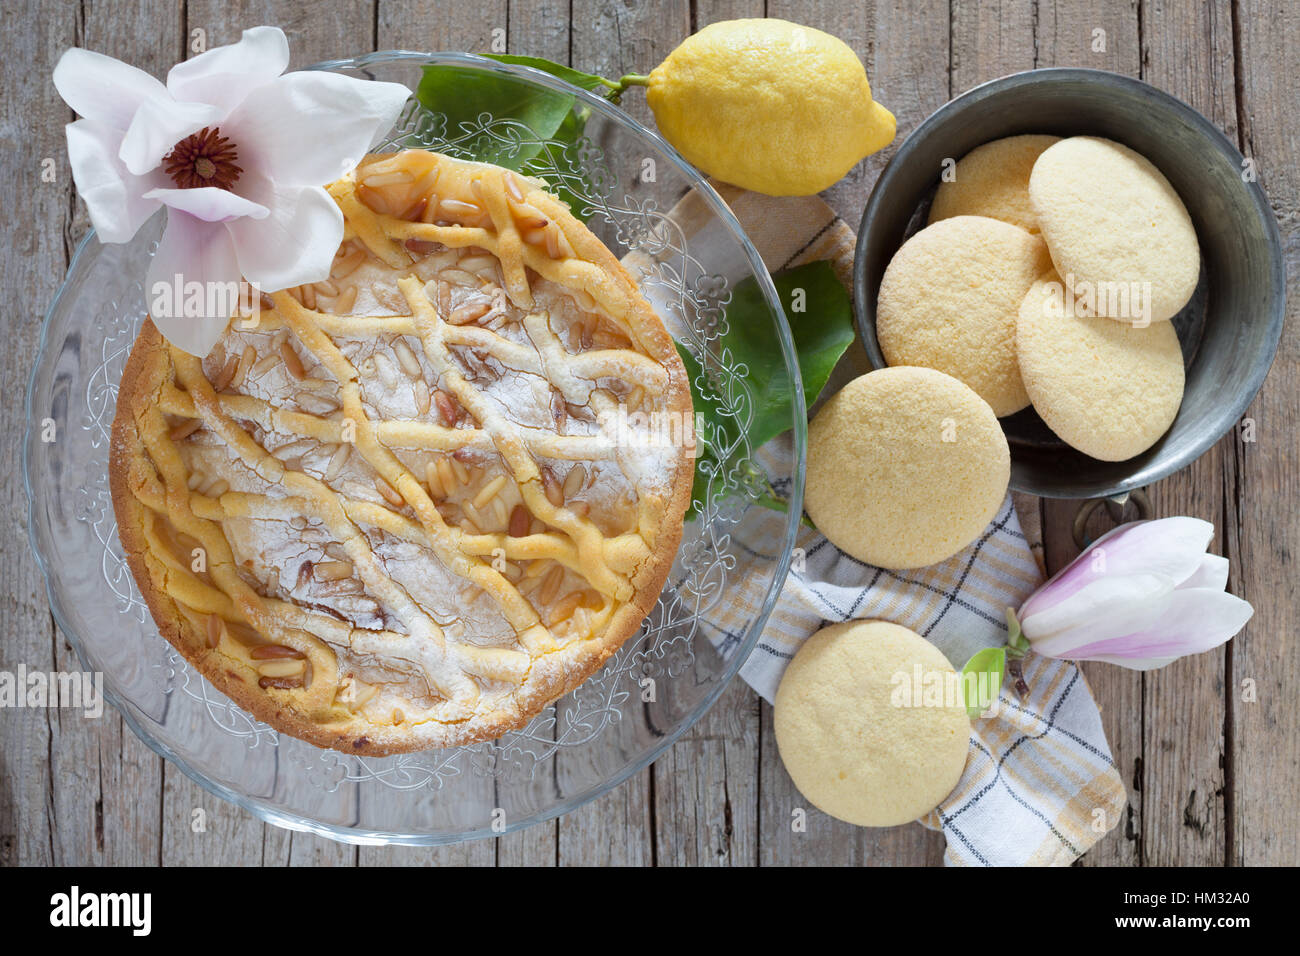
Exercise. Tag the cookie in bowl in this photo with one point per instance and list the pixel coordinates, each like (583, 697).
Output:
(387, 512)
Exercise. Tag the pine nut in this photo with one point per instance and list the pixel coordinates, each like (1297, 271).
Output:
(281, 668)
(573, 480)
(388, 493)
(292, 363)
(344, 303)
(333, 570)
(274, 652)
(489, 491)
(551, 584)
(185, 429)
(512, 187)
(406, 359)
(246, 360)
(446, 477)
(436, 489)
(446, 410)
(564, 609)
(422, 247)
(337, 461)
(348, 264)
(468, 313)
(551, 488)
(520, 519)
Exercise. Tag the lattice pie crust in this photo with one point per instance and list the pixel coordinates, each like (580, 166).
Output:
(391, 516)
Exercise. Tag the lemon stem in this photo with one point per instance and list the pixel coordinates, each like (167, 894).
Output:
(633, 79)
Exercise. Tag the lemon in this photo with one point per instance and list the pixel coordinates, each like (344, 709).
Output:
(768, 105)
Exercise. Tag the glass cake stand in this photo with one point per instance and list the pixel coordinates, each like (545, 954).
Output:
(688, 253)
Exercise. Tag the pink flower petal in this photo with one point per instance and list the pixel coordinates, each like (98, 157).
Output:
(1188, 621)
(1105, 608)
(296, 243)
(114, 196)
(157, 127)
(209, 203)
(103, 89)
(193, 255)
(1168, 548)
(224, 75)
(310, 128)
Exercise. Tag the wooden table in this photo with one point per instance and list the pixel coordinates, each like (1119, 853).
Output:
(1209, 747)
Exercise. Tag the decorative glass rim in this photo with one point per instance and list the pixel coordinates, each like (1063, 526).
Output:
(373, 837)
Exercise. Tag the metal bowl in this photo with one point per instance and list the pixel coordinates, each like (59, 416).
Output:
(1229, 330)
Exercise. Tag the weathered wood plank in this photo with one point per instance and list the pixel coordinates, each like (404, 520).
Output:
(1101, 36)
(109, 794)
(1187, 50)
(316, 31)
(721, 794)
(32, 264)
(1265, 772)
(429, 25)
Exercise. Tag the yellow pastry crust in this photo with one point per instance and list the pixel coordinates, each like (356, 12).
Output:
(451, 568)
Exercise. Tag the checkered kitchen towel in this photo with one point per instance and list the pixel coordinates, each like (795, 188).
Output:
(1040, 786)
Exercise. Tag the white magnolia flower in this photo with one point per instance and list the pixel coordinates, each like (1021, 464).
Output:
(1141, 596)
(236, 151)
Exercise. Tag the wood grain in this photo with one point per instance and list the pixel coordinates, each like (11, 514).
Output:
(1265, 771)
(1187, 50)
(1212, 775)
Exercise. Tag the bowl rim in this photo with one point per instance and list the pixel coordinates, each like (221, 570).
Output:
(1162, 464)
(269, 813)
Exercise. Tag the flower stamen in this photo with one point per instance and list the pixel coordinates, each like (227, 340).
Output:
(204, 159)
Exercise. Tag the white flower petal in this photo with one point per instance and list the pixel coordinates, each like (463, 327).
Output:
(1167, 548)
(103, 89)
(1212, 573)
(191, 251)
(114, 196)
(1189, 621)
(296, 243)
(310, 128)
(209, 203)
(1088, 609)
(1106, 608)
(224, 75)
(159, 126)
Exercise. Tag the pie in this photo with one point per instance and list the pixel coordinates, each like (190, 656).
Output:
(388, 511)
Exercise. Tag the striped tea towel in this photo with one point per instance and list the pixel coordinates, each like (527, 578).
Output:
(1040, 786)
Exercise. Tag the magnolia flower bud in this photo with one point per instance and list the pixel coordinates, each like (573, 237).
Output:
(1141, 596)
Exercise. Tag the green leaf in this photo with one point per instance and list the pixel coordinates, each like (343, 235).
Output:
(982, 677)
(822, 329)
(462, 95)
(586, 81)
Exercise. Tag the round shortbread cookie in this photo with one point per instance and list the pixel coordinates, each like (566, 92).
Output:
(948, 301)
(852, 733)
(1104, 387)
(906, 466)
(1116, 228)
(993, 180)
